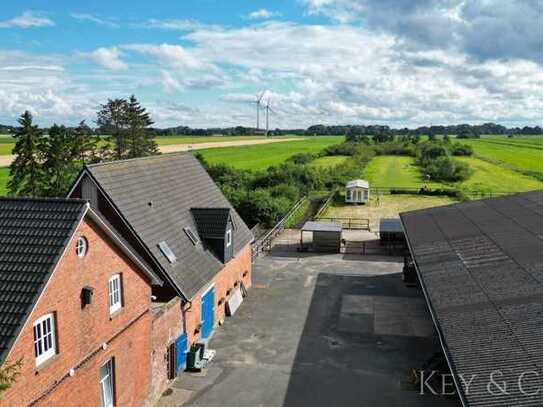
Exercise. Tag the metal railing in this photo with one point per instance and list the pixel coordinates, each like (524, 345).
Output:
(349, 223)
(265, 242)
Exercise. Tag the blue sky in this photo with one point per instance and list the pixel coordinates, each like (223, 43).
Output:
(201, 62)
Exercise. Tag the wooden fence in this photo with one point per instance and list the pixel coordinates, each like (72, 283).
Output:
(349, 223)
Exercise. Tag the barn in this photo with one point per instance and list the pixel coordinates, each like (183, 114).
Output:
(480, 265)
(357, 192)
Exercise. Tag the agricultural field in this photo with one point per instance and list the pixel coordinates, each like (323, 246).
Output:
(4, 175)
(328, 162)
(489, 177)
(522, 153)
(262, 156)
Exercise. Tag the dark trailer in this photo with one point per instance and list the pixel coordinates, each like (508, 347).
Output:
(480, 265)
(326, 237)
(391, 231)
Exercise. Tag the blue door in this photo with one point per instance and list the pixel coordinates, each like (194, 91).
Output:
(208, 315)
(181, 353)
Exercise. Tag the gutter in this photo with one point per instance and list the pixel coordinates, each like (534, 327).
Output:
(446, 352)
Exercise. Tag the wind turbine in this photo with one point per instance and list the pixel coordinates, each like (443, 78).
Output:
(258, 101)
(268, 110)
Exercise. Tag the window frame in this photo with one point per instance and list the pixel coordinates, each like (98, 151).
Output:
(81, 247)
(115, 306)
(41, 339)
(229, 238)
(110, 378)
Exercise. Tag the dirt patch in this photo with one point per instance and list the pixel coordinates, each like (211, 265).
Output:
(385, 206)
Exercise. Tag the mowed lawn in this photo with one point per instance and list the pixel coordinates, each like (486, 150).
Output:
(328, 162)
(4, 176)
(395, 172)
(488, 177)
(259, 157)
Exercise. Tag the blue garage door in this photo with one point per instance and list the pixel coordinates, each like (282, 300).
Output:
(181, 353)
(208, 316)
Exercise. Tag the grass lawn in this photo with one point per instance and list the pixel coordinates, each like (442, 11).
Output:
(259, 157)
(489, 177)
(4, 175)
(327, 162)
(385, 206)
(395, 171)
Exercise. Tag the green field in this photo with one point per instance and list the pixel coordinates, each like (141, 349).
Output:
(265, 155)
(328, 162)
(6, 142)
(524, 154)
(395, 172)
(488, 177)
(4, 175)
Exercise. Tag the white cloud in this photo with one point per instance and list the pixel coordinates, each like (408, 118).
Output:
(109, 58)
(168, 54)
(175, 24)
(27, 20)
(95, 19)
(263, 14)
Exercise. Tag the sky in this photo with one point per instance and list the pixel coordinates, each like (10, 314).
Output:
(202, 63)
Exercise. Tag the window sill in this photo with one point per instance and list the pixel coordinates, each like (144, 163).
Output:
(43, 365)
(115, 313)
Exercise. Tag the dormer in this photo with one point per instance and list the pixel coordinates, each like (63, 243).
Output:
(216, 230)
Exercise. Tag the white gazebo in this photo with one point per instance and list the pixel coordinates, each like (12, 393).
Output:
(357, 191)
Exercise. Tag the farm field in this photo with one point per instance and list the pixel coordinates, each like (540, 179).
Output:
(260, 157)
(395, 172)
(385, 206)
(488, 177)
(4, 175)
(522, 154)
(6, 141)
(328, 162)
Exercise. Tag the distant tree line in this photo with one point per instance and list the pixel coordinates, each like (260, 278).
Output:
(46, 163)
(460, 130)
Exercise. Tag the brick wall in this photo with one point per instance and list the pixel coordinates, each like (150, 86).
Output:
(167, 327)
(223, 281)
(80, 332)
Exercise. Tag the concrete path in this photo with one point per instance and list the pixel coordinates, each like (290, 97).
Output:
(318, 331)
(5, 160)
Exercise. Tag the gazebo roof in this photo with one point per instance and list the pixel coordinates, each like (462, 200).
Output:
(358, 183)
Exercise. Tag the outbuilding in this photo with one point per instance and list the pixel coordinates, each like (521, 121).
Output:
(326, 237)
(391, 231)
(357, 191)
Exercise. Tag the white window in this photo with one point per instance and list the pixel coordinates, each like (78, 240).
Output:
(81, 246)
(106, 384)
(44, 338)
(348, 194)
(228, 237)
(114, 288)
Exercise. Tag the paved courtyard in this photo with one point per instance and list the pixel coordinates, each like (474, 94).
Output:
(332, 330)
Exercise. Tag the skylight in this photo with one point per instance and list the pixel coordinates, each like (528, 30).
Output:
(166, 251)
(192, 236)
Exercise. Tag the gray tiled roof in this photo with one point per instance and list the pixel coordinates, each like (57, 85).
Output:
(481, 267)
(33, 235)
(155, 196)
(211, 222)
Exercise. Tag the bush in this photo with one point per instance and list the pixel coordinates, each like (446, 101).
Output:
(459, 149)
(447, 169)
(302, 158)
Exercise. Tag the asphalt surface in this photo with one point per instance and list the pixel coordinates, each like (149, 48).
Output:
(334, 330)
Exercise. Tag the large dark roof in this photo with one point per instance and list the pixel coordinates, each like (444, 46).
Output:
(33, 235)
(155, 196)
(481, 267)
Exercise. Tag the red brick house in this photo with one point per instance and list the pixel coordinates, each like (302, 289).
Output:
(171, 213)
(75, 307)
